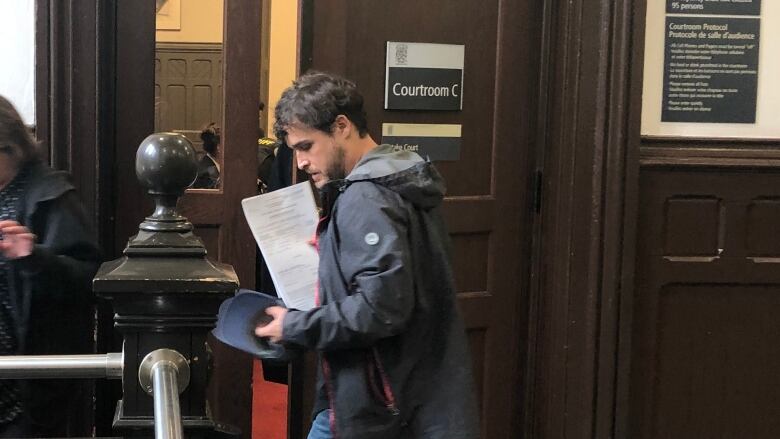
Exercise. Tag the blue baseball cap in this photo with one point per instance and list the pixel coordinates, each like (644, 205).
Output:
(239, 316)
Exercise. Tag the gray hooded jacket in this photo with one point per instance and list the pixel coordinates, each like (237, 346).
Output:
(394, 356)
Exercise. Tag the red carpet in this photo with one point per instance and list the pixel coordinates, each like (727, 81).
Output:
(269, 407)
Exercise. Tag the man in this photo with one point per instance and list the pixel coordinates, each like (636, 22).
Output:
(393, 352)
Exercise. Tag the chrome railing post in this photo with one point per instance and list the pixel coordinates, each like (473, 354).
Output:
(167, 415)
(164, 374)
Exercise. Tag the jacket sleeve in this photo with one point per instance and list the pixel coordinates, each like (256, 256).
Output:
(66, 256)
(374, 258)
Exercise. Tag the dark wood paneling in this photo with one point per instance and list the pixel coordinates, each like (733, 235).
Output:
(589, 144)
(134, 112)
(42, 78)
(188, 88)
(75, 115)
(477, 340)
(696, 153)
(470, 261)
(716, 362)
(705, 356)
(692, 227)
(763, 222)
(69, 96)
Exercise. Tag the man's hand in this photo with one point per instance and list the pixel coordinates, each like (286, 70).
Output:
(272, 330)
(17, 240)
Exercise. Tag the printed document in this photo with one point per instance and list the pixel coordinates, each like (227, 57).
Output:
(283, 223)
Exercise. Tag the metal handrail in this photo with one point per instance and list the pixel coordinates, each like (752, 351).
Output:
(163, 373)
(167, 414)
(62, 366)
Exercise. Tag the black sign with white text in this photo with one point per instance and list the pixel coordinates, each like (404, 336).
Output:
(714, 7)
(424, 89)
(710, 69)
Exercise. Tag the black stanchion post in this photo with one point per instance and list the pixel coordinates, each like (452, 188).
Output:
(165, 293)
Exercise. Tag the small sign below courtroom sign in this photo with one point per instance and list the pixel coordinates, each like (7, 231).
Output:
(435, 142)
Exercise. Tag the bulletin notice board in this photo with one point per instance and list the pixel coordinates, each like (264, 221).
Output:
(707, 73)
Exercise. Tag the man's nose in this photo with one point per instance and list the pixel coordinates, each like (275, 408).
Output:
(303, 162)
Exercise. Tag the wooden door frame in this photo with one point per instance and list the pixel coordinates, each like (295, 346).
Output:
(581, 305)
(94, 59)
(512, 91)
(589, 107)
(74, 65)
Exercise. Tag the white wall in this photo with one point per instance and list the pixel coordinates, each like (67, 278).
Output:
(17, 46)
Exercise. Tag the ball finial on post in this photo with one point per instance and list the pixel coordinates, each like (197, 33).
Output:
(166, 165)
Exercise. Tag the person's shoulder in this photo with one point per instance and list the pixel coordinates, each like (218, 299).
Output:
(46, 182)
(365, 194)
(46, 185)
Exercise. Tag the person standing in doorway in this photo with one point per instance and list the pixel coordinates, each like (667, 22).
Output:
(208, 166)
(48, 257)
(393, 351)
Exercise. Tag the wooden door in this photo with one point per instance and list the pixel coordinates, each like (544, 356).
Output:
(216, 214)
(487, 206)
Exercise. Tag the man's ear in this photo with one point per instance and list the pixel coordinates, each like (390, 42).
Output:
(343, 125)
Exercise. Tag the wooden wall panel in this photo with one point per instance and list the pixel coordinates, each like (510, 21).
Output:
(705, 358)
(583, 257)
(692, 226)
(470, 261)
(477, 339)
(717, 361)
(761, 226)
(188, 81)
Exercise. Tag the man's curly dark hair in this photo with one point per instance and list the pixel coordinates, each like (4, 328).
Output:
(315, 100)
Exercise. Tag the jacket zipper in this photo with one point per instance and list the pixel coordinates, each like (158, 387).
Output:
(326, 373)
(389, 397)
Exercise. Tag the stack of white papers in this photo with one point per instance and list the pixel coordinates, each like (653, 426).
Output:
(283, 223)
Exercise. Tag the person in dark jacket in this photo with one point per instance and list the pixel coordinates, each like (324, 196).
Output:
(393, 350)
(208, 166)
(48, 257)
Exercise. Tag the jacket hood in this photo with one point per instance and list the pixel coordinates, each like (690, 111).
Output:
(403, 172)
